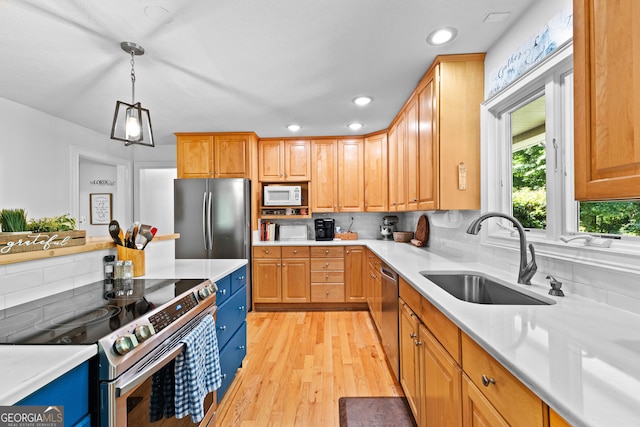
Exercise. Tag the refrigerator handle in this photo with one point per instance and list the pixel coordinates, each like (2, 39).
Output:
(204, 219)
(210, 221)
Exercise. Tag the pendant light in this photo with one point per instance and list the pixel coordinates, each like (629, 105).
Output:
(131, 122)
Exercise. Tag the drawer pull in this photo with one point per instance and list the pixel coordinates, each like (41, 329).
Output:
(223, 291)
(487, 381)
(222, 328)
(240, 347)
(241, 308)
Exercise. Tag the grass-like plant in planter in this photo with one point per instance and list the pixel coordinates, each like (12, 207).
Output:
(13, 220)
(49, 224)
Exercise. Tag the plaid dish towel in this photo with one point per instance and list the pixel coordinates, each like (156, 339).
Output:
(197, 370)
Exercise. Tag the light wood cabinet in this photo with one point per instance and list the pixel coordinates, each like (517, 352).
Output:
(355, 265)
(337, 183)
(214, 155)
(327, 274)
(284, 160)
(477, 411)
(606, 99)
(514, 402)
(281, 275)
(324, 175)
(441, 385)
(434, 141)
(350, 175)
(411, 158)
(374, 289)
(408, 348)
(376, 181)
(555, 420)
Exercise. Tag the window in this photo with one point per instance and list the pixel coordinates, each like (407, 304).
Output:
(528, 165)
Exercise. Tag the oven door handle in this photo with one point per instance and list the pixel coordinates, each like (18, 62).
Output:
(125, 385)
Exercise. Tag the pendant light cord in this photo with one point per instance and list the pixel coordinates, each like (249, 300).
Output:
(133, 79)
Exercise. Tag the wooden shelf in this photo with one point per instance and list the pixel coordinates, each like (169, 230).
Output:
(93, 244)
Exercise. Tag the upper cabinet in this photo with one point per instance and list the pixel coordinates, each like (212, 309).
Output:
(376, 198)
(337, 179)
(606, 39)
(284, 160)
(214, 155)
(434, 142)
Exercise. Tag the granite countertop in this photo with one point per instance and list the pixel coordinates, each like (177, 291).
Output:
(24, 370)
(579, 356)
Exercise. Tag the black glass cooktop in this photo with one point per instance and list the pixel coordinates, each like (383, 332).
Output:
(88, 313)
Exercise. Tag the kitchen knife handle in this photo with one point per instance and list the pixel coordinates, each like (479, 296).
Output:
(204, 219)
(209, 220)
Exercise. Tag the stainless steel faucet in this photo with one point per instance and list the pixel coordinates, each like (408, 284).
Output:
(527, 269)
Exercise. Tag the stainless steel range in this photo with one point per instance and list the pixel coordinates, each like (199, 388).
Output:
(137, 326)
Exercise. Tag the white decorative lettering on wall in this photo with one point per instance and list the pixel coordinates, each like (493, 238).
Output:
(36, 239)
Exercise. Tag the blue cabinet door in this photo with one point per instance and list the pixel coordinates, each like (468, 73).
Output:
(70, 391)
(231, 357)
(224, 290)
(230, 315)
(238, 279)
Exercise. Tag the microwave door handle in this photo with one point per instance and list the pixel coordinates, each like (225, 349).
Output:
(209, 221)
(204, 219)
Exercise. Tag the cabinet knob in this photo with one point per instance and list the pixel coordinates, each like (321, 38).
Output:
(326, 277)
(413, 335)
(266, 251)
(417, 343)
(487, 381)
(240, 347)
(222, 328)
(284, 265)
(241, 308)
(347, 252)
(326, 251)
(295, 252)
(327, 265)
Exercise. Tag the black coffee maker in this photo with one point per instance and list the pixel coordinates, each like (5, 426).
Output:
(325, 228)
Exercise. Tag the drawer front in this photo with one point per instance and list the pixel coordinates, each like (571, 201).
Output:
(409, 295)
(515, 402)
(238, 279)
(327, 277)
(295, 252)
(230, 316)
(231, 357)
(336, 264)
(267, 252)
(442, 328)
(224, 290)
(327, 251)
(327, 293)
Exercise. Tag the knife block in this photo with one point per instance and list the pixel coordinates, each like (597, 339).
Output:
(136, 256)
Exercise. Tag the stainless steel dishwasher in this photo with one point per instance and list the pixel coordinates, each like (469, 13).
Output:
(389, 321)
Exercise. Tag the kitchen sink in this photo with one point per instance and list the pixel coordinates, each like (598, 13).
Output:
(479, 288)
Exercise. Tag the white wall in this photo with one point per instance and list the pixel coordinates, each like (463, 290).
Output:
(35, 173)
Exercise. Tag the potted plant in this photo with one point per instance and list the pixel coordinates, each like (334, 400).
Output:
(57, 223)
(13, 220)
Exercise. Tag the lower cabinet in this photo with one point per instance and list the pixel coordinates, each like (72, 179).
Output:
(449, 380)
(70, 391)
(373, 288)
(298, 277)
(231, 326)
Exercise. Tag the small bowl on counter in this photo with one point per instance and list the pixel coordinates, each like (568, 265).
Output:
(402, 236)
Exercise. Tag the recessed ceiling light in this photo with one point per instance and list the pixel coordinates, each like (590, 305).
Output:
(355, 126)
(496, 17)
(362, 100)
(442, 36)
(293, 127)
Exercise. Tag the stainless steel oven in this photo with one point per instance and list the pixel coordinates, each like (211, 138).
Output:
(137, 326)
(128, 400)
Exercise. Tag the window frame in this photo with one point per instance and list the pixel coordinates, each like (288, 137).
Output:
(553, 77)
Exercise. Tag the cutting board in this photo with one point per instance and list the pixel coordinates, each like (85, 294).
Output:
(421, 235)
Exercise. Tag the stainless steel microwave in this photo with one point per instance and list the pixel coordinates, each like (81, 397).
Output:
(282, 195)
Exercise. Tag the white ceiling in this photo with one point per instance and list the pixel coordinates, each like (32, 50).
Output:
(233, 65)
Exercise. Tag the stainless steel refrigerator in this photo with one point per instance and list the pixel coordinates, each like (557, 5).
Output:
(213, 217)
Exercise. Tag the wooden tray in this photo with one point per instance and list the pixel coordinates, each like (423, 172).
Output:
(347, 236)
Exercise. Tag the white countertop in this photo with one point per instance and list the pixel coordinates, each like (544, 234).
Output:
(25, 369)
(580, 356)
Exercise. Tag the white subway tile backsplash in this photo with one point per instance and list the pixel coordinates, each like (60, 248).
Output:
(21, 280)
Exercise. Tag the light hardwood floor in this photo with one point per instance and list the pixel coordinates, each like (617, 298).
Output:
(299, 364)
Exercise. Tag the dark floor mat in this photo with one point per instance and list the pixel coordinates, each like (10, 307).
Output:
(375, 412)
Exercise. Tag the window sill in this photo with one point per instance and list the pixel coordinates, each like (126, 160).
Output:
(621, 256)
